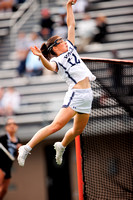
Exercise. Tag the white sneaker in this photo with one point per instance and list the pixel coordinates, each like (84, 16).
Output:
(59, 152)
(23, 153)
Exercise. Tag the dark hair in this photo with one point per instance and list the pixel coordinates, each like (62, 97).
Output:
(46, 51)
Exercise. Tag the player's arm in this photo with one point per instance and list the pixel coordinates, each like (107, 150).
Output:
(71, 21)
(52, 66)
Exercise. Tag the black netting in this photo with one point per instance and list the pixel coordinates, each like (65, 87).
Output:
(107, 140)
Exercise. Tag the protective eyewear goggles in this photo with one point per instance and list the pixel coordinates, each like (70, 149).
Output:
(56, 42)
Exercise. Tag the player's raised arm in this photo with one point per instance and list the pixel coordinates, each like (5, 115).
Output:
(71, 21)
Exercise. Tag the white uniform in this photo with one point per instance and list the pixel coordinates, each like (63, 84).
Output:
(72, 69)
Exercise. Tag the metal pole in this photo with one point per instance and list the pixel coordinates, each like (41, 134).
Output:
(79, 167)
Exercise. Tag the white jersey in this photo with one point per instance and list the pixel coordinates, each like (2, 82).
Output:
(71, 68)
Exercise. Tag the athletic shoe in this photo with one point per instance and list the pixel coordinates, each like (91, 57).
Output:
(23, 153)
(59, 152)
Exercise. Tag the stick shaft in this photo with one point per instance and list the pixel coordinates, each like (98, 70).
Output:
(6, 152)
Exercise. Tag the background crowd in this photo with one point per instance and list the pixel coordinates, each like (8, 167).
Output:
(88, 30)
(10, 5)
(10, 101)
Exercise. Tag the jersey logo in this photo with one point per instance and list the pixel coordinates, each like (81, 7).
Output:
(69, 52)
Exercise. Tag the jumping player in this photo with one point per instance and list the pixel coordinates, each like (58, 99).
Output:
(61, 56)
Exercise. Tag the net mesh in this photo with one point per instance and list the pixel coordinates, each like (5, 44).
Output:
(107, 140)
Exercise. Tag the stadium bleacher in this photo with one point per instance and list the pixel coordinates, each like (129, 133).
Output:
(42, 96)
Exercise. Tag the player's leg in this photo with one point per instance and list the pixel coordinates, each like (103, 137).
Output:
(62, 118)
(80, 121)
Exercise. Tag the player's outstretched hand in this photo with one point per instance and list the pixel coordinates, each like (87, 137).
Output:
(36, 51)
(72, 2)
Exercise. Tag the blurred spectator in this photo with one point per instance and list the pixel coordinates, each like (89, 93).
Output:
(17, 4)
(20, 1)
(6, 5)
(114, 54)
(104, 100)
(46, 24)
(34, 66)
(116, 72)
(86, 29)
(81, 6)
(35, 40)
(10, 5)
(1, 101)
(22, 49)
(11, 142)
(61, 26)
(101, 23)
(11, 101)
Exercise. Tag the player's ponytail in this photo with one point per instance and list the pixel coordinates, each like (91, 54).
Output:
(46, 49)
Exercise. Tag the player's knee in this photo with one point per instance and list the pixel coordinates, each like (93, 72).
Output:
(56, 126)
(78, 131)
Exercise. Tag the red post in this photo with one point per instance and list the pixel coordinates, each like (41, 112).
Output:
(79, 167)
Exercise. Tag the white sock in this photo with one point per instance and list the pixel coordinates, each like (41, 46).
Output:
(28, 148)
(62, 146)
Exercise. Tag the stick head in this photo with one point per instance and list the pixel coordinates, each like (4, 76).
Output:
(73, 2)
